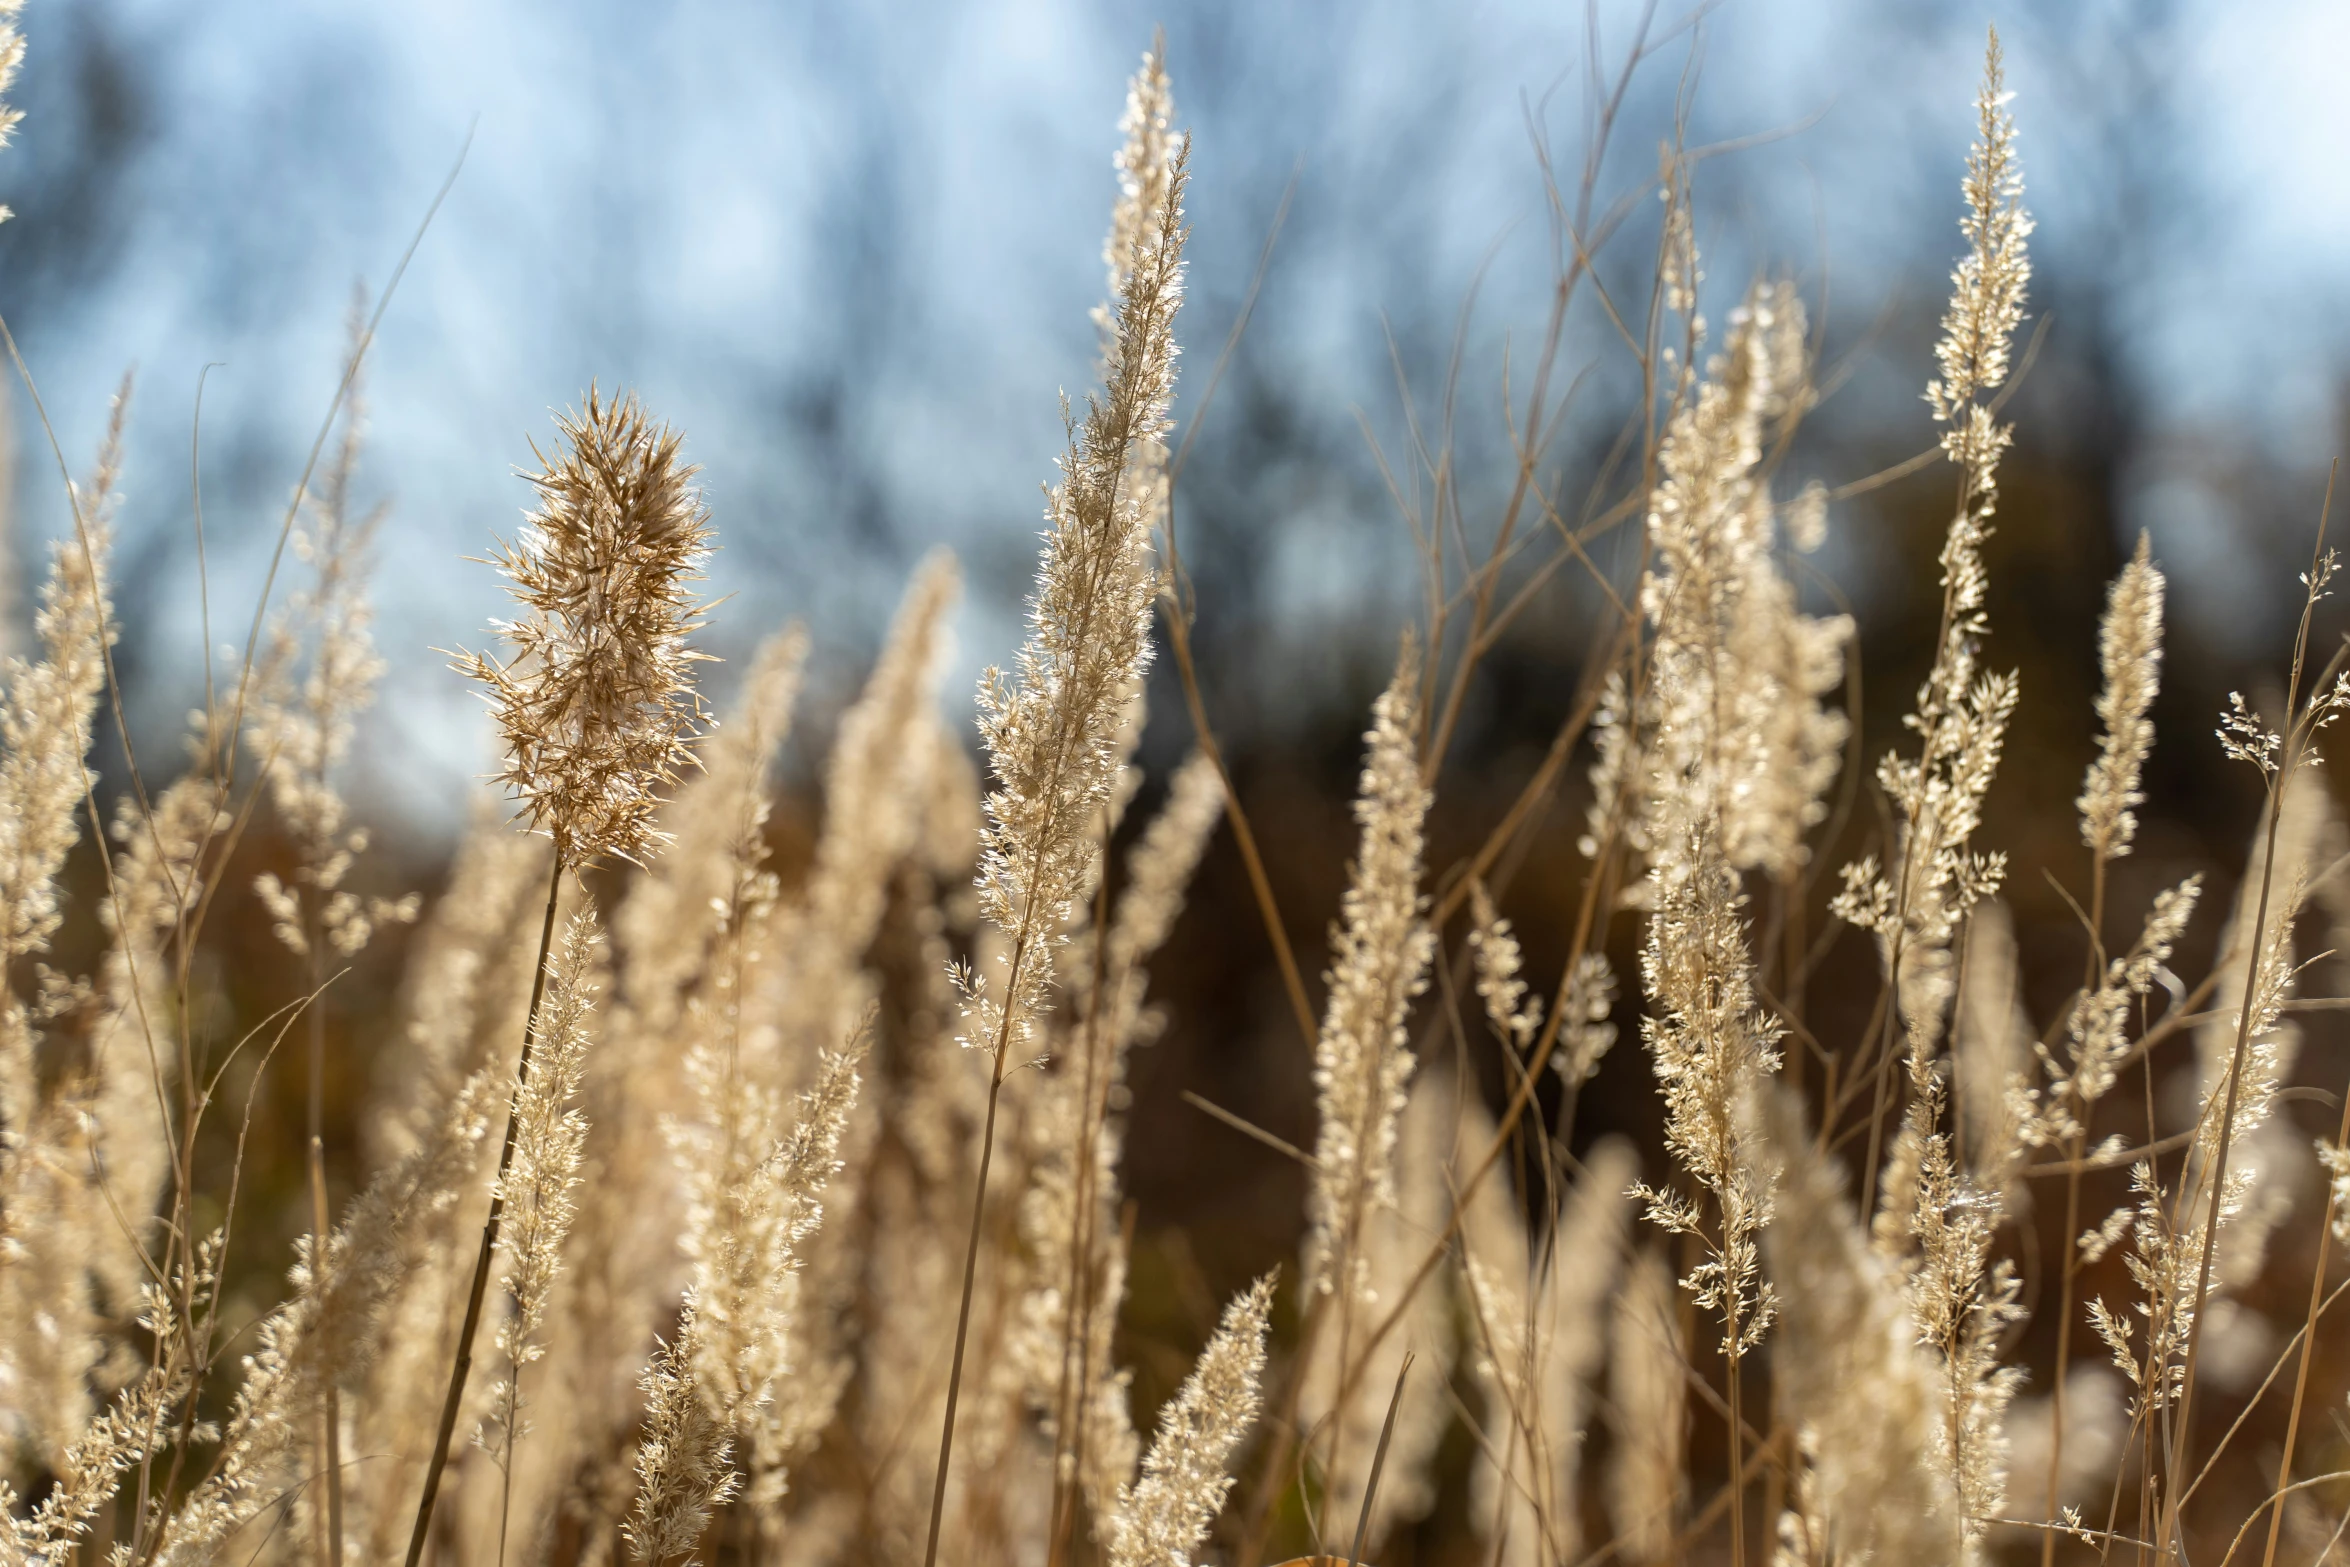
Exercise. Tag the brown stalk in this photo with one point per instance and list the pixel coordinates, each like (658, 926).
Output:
(489, 1237)
(2068, 1265)
(1378, 1462)
(2067, 1268)
(1069, 1402)
(2317, 1283)
(330, 1407)
(1536, 789)
(1178, 622)
(2276, 1369)
(995, 1089)
(2298, 737)
(1532, 442)
(995, 1086)
(2279, 1499)
(2325, 1234)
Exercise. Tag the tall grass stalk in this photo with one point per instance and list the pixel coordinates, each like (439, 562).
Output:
(1052, 738)
(2280, 759)
(596, 707)
(462, 1366)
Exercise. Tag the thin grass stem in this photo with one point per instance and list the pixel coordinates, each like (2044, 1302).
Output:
(455, 1400)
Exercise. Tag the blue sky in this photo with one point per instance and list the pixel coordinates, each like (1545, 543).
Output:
(851, 250)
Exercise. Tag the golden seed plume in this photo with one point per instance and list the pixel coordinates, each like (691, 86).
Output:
(1379, 962)
(1052, 735)
(1648, 1397)
(2129, 646)
(551, 1131)
(596, 699)
(1712, 1047)
(1349, 1380)
(1915, 907)
(1539, 1317)
(1883, 1486)
(683, 1473)
(1166, 1514)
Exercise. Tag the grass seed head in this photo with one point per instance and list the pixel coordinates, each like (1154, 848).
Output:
(596, 702)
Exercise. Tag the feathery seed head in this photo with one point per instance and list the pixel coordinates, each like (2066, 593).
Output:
(597, 703)
(1587, 1031)
(46, 713)
(1987, 295)
(683, 1472)
(1992, 1052)
(1379, 962)
(1730, 726)
(1649, 1398)
(1961, 714)
(1167, 1512)
(1711, 1046)
(551, 1133)
(1142, 164)
(2100, 1019)
(1513, 1016)
(1052, 734)
(1806, 518)
(1884, 1488)
(2129, 646)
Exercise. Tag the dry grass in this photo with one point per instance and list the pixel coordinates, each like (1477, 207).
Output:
(805, 1239)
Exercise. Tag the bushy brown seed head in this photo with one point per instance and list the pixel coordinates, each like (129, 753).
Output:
(596, 703)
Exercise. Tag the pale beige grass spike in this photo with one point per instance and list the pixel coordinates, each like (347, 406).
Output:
(2129, 650)
(1379, 962)
(1052, 733)
(1883, 1486)
(1648, 1411)
(1992, 1039)
(1542, 1335)
(550, 1131)
(683, 1470)
(1185, 1475)
(2269, 1155)
(1917, 906)
(46, 718)
(1389, 1242)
